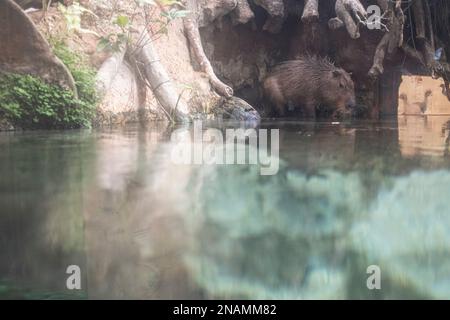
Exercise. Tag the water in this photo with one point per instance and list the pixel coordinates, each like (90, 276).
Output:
(347, 196)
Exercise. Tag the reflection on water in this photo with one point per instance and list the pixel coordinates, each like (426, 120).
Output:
(347, 196)
(424, 135)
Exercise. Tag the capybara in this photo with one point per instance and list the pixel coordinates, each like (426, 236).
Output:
(309, 82)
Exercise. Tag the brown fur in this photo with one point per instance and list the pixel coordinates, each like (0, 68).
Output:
(309, 82)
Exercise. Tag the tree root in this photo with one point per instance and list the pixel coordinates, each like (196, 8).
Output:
(193, 36)
(311, 11)
(383, 4)
(419, 18)
(422, 17)
(392, 40)
(345, 11)
(380, 53)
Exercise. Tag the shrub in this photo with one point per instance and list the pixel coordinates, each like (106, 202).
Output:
(82, 73)
(30, 103)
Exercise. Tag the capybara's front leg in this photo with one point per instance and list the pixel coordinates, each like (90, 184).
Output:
(310, 111)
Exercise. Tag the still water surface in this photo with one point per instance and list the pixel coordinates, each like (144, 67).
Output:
(111, 201)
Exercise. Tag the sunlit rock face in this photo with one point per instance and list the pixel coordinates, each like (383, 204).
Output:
(407, 234)
(271, 237)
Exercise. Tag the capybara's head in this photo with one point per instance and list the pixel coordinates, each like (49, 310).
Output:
(340, 91)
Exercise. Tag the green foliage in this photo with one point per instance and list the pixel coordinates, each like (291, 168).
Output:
(83, 74)
(73, 14)
(113, 42)
(30, 103)
(122, 21)
(156, 25)
(173, 14)
(116, 41)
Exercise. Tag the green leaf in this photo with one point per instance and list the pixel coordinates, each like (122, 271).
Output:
(122, 21)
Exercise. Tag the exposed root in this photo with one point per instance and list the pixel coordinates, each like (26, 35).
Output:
(193, 36)
(311, 11)
(345, 11)
(392, 40)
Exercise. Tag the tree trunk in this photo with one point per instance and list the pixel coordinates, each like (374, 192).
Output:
(108, 72)
(158, 79)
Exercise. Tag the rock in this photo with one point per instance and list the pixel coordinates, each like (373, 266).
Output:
(276, 11)
(208, 11)
(407, 234)
(243, 13)
(26, 51)
(236, 109)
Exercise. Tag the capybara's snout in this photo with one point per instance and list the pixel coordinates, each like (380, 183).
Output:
(351, 103)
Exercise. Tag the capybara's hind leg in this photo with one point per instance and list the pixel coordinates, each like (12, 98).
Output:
(268, 109)
(273, 92)
(281, 109)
